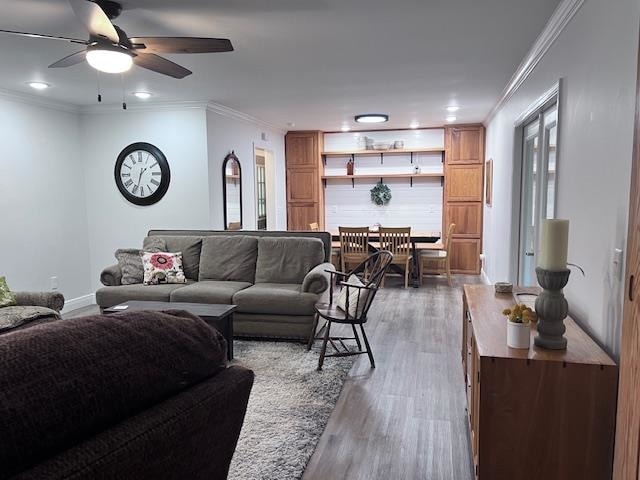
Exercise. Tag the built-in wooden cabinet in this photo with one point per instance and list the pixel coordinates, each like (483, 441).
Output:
(305, 196)
(463, 195)
(535, 414)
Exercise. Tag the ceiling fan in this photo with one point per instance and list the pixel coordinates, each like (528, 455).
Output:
(109, 49)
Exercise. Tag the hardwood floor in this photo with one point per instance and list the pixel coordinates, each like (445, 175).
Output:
(406, 418)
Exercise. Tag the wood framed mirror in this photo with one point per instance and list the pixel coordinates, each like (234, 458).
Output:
(232, 192)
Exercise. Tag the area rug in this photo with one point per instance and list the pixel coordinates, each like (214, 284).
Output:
(288, 410)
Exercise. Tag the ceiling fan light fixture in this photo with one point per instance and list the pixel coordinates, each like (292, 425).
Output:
(142, 95)
(109, 59)
(372, 118)
(38, 85)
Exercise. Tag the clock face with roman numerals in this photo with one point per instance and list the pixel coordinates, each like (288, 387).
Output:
(142, 173)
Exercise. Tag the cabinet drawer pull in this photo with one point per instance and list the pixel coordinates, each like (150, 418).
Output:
(631, 280)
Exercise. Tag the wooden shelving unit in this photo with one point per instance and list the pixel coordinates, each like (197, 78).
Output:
(410, 176)
(391, 151)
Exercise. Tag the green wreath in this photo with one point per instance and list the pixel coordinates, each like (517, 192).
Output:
(380, 194)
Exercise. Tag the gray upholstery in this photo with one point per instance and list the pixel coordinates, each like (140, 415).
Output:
(190, 248)
(110, 296)
(325, 237)
(317, 280)
(52, 300)
(111, 276)
(208, 291)
(228, 258)
(275, 299)
(286, 259)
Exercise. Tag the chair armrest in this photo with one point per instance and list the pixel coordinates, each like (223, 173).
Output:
(52, 300)
(318, 279)
(111, 276)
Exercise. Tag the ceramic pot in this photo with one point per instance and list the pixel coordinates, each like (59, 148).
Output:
(518, 335)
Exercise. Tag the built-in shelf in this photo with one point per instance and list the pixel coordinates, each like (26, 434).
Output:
(394, 151)
(410, 176)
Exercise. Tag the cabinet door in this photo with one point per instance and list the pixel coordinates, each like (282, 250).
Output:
(303, 185)
(466, 145)
(465, 255)
(299, 216)
(464, 183)
(468, 219)
(302, 150)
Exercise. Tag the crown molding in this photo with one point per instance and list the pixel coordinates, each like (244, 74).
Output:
(111, 108)
(38, 101)
(243, 117)
(556, 24)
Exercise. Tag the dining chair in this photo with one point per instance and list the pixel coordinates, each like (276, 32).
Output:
(354, 246)
(440, 257)
(235, 226)
(351, 308)
(314, 227)
(398, 242)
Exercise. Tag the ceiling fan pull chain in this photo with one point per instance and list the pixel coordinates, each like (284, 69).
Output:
(124, 103)
(99, 89)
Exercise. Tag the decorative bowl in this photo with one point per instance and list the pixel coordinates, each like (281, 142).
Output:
(381, 146)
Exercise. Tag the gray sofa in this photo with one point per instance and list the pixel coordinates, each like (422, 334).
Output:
(32, 308)
(275, 278)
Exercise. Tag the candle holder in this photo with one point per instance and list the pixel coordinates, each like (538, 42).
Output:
(552, 308)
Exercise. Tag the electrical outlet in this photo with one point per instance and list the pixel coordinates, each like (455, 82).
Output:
(54, 282)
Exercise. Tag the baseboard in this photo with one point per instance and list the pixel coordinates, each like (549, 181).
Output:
(485, 278)
(79, 302)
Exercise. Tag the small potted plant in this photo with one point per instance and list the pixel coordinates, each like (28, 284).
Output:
(519, 320)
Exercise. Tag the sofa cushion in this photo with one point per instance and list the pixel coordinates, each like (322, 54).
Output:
(110, 296)
(229, 258)
(115, 367)
(287, 259)
(209, 291)
(190, 248)
(275, 298)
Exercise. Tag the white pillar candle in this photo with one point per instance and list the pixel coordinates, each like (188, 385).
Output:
(554, 241)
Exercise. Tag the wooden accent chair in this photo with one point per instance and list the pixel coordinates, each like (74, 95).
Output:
(235, 226)
(354, 246)
(398, 242)
(441, 257)
(358, 298)
(314, 227)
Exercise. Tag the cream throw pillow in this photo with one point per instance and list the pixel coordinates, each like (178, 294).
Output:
(354, 293)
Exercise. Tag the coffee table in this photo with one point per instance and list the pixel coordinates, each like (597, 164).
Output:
(218, 316)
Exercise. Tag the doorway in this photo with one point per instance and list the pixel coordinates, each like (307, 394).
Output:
(264, 188)
(538, 134)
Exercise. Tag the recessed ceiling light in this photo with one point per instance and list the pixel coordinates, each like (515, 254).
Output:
(451, 118)
(291, 124)
(38, 85)
(142, 95)
(453, 108)
(345, 128)
(372, 118)
(414, 125)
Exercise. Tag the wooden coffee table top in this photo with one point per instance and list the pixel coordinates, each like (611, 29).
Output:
(201, 309)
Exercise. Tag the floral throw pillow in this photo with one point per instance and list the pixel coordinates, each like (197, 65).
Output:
(162, 267)
(7, 299)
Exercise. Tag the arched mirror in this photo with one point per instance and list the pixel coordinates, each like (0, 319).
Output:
(232, 192)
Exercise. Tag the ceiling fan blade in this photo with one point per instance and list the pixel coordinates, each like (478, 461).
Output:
(94, 18)
(181, 44)
(70, 60)
(160, 65)
(50, 37)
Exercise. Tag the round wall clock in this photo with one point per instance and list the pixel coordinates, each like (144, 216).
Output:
(142, 173)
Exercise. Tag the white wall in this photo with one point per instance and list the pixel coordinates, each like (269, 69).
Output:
(44, 222)
(596, 56)
(225, 134)
(115, 223)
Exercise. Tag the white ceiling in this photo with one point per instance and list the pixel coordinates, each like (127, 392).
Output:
(315, 63)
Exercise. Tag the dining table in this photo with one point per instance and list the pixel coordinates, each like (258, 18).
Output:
(420, 240)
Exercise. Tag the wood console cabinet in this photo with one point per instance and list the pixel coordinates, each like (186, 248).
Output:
(463, 195)
(305, 195)
(535, 414)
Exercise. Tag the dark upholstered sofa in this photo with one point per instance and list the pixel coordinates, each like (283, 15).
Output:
(275, 278)
(135, 395)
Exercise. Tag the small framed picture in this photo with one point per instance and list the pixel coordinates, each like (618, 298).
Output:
(488, 182)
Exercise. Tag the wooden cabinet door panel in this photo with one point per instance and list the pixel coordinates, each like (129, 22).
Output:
(303, 185)
(302, 150)
(466, 145)
(465, 255)
(467, 217)
(464, 183)
(300, 216)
